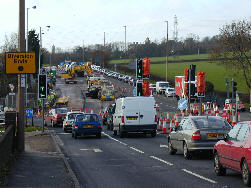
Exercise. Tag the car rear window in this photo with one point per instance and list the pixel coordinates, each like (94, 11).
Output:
(72, 116)
(87, 118)
(61, 111)
(205, 122)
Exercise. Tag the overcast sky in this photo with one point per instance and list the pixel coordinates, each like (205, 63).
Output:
(75, 21)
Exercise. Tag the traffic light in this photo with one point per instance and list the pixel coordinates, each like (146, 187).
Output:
(186, 74)
(146, 67)
(139, 68)
(146, 90)
(42, 86)
(234, 86)
(139, 89)
(201, 83)
(192, 69)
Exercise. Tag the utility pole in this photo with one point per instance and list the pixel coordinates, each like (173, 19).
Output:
(104, 53)
(20, 105)
(125, 37)
(83, 51)
(166, 50)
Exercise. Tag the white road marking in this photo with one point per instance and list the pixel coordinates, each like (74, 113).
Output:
(135, 149)
(63, 133)
(94, 149)
(161, 160)
(114, 139)
(163, 146)
(199, 176)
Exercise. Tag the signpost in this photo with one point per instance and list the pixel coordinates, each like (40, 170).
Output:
(182, 104)
(20, 62)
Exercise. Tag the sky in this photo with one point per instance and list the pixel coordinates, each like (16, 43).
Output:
(77, 22)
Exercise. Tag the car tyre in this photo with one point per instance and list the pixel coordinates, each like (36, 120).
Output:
(98, 135)
(121, 133)
(72, 135)
(153, 133)
(115, 133)
(218, 168)
(245, 172)
(186, 152)
(171, 151)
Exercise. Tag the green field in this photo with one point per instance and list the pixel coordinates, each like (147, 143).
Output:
(214, 73)
(162, 59)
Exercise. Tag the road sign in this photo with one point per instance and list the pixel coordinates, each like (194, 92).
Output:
(135, 92)
(182, 104)
(20, 62)
(29, 113)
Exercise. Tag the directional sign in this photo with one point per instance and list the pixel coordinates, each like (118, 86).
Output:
(20, 62)
(182, 104)
(134, 92)
(29, 113)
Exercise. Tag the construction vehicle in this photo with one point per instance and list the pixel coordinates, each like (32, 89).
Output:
(107, 93)
(70, 73)
(94, 85)
(62, 101)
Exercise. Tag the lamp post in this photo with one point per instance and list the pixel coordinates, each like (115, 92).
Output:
(40, 46)
(166, 50)
(27, 49)
(125, 37)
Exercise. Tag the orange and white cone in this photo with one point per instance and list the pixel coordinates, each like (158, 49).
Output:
(234, 120)
(171, 126)
(160, 125)
(168, 117)
(164, 131)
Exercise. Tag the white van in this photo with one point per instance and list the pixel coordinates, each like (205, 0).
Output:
(135, 114)
(161, 87)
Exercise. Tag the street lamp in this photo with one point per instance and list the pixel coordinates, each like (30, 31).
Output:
(125, 37)
(166, 49)
(40, 47)
(27, 49)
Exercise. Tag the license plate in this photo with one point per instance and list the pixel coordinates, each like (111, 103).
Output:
(132, 118)
(212, 135)
(87, 126)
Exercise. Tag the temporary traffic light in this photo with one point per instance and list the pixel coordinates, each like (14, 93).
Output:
(201, 83)
(186, 74)
(42, 86)
(192, 69)
(139, 68)
(193, 90)
(146, 90)
(146, 67)
(139, 89)
(234, 86)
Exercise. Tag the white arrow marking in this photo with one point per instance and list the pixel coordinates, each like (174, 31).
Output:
(95, 150)
(163, 146)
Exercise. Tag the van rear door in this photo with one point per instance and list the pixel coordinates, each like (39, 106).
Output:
(147, 112)
(131, 112)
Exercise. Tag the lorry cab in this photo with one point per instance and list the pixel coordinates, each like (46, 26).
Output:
(161, 87)
(135, 114)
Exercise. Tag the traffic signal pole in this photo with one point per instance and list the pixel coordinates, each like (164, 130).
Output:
(21, 79)
(43, 115)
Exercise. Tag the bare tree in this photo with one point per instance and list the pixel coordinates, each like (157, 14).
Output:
(232, 48)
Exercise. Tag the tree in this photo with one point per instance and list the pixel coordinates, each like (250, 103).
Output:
(33, 45)
(232, 48)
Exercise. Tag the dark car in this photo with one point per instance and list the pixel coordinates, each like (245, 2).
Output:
(234, 152)
(86, 124)
(197, 133)
(55, 116)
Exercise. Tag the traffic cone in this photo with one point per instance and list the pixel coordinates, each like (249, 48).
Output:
(85, 110)
(164, 131)
(168, 117)
(171, 127)
(234, 121)
(160, 125)
(177, 120)
(217, 113)
(91, 111)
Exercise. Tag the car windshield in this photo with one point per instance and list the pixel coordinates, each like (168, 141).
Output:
(72, 116)
(210, 122)
(164, 84)
(87, 118)
(61, 111)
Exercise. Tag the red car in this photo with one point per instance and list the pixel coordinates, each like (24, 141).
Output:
(55, 116)
(234, 152)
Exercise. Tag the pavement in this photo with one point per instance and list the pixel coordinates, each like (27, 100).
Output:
(42, 165)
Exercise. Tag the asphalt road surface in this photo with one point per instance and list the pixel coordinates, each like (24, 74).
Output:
(135, 161)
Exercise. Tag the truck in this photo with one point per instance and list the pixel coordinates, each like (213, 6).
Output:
(161, 87)
(107, 93)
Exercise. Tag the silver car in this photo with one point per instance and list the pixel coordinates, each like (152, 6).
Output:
(69, 120)
(197, 133)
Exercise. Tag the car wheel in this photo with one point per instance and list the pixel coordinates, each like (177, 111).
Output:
(64, 129)
(98, 135)
(246, 175)
(72, 135)
(108, 127)
(121, 134)
(218, 168)
(186, 152)
(75, 135)
(171, 151)
(115, 133)
(153, 133)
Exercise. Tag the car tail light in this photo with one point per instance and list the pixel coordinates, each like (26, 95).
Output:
(196, 135)
(99, 126)
(155, 119)
(66, 123)
(75, 126)
(122, 119)
(56, 116)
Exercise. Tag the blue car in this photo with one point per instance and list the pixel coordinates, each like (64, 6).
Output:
(86, 124)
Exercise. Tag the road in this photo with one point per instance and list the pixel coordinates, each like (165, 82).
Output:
(135, 161)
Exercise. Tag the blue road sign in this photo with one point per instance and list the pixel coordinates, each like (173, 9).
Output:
(135, 92)
(29, 113)
(182, 104)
